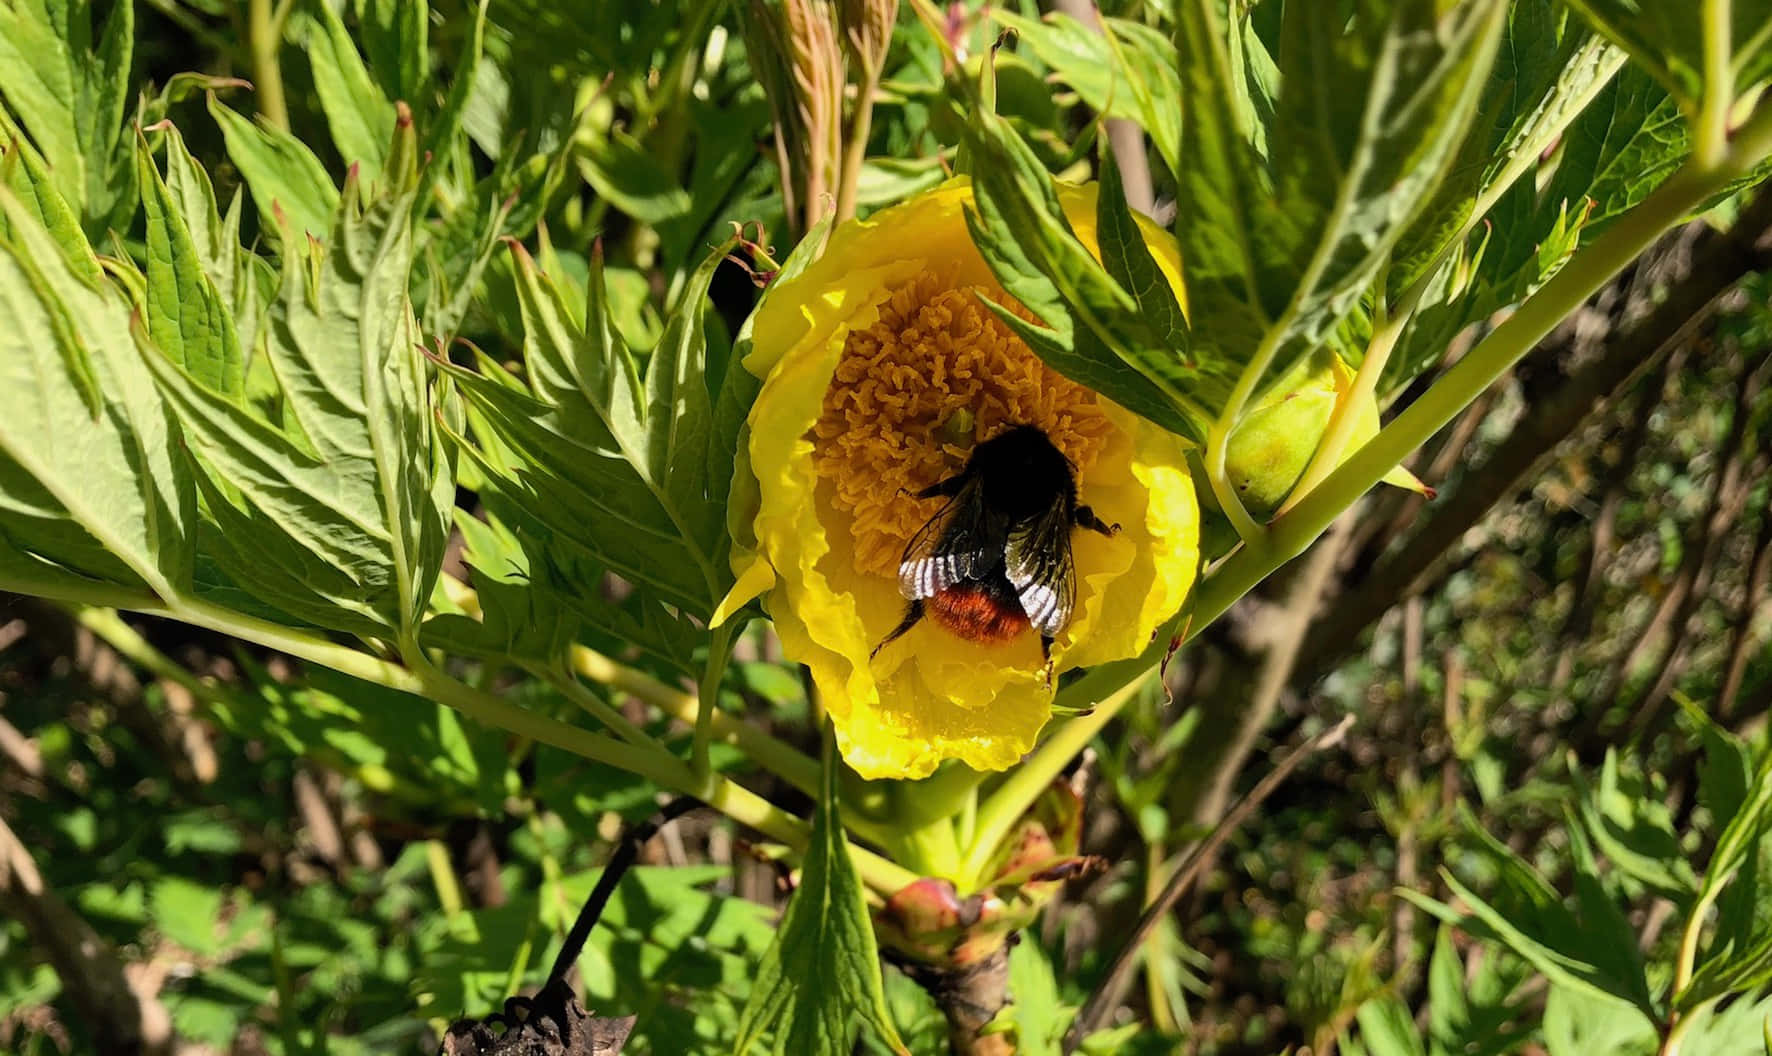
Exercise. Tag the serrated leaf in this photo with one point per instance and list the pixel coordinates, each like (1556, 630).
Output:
(819, 982)
(1544, 75)
(290, 186)
(1592, 949)
(85, 441)
(619, 462)
(359, 115)
(1668, 40)
(70, 96)
(338, 513)
(1128, 259)
(186, 316)
(24, 173)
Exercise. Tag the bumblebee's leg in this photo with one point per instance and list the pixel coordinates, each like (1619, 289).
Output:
(947, 489)
(1084, 517)
(1046, 655)
(912, 613)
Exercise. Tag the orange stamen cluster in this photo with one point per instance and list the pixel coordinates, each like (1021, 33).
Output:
(935, 359)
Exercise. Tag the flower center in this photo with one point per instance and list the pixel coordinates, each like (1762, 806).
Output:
(935, 375)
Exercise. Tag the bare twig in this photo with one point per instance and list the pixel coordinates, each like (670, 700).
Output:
(122, 1018)
(1107, 996)
(1759, 588)
(1221, 762)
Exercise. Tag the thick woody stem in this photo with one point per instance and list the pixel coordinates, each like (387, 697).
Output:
(970, 997)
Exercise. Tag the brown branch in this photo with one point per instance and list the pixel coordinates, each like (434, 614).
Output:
(1759, 589)
(1612, 485)
(1724, 504)
(1107, 996)
(1697, 280)
(1227, 740)
(123, 1020)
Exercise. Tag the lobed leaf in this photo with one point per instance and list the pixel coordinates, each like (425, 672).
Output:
(88, 475)
(186, 316)
(624, 463)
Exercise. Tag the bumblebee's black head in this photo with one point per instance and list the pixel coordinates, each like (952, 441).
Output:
(1022, 473)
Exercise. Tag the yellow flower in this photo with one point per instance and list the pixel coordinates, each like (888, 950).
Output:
(882, 369)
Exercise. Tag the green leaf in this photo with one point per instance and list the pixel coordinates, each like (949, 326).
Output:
(623, 171)
(1545, 73)
(338, 514)
(1370, 111)
(1578, 1024)
(185, 314)
(1131, 76)
(1667, 40)
(1035, 1007)
(1632, 826)
(1128, 259)
(394, 34)
(290, 186)
(444, 127)
(541, 593)
(820, 980)
(24, 173)
(87, 470)
(359, 115)
(1593, 949)
(1387, 1029)
(622, 463)
(1091, 332)
(71, 96)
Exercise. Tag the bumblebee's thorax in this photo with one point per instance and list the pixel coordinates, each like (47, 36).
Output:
(1022, 474)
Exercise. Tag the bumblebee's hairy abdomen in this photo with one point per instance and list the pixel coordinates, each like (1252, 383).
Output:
(985, 611)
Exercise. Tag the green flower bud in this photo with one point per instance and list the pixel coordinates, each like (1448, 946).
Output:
(1273, 444)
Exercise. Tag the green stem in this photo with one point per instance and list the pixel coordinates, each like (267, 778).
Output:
(1025, 784)
(942, 794)
(1675, 1039)
(425, 680)
(855, 151)
(443, 880)
(596, 707)
(708, 696)
(776, 756)
(264, 34)
(1710, 132)
(1218, 439)
(1113, 684)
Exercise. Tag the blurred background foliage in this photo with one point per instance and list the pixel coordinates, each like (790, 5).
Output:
(287, 861)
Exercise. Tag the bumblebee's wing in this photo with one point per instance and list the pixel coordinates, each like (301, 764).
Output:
(1039, 567)
(953, 546)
